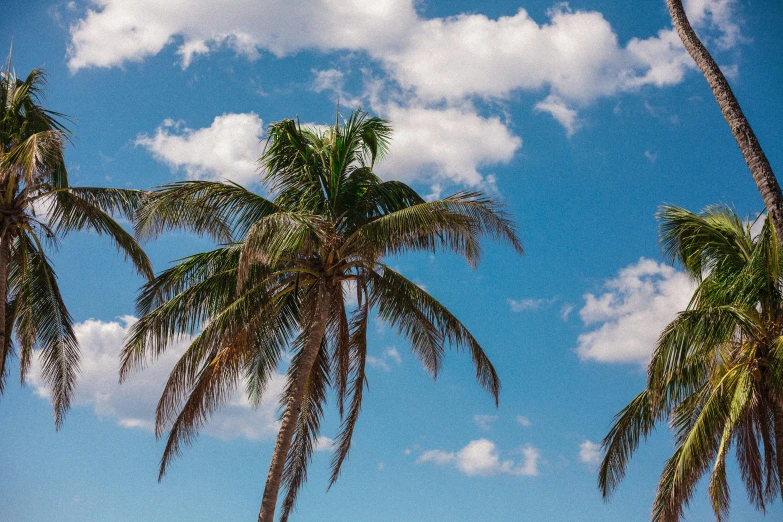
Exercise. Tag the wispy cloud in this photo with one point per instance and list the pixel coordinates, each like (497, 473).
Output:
(485, 422)
(529, 304)
(390, 357)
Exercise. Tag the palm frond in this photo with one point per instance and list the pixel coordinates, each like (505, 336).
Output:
(40, 308)
(71, 211)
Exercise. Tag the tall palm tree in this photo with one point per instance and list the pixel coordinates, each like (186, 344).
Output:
(716, 374)
(281, 282)
(38, 207)
(749, 145)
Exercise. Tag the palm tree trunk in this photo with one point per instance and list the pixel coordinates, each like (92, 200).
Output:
(4, 255)
(777, 419)
(754, 156)
(293, 408)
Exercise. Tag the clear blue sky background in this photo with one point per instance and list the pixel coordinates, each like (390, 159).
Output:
(583, 119)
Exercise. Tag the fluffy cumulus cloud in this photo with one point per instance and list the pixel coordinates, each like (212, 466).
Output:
(435, 145)
(112, 32)
(228, 149)
(626, 318)
(445, 144)
(590, 453)
(481, 458)
(132, 404)
(574, 56)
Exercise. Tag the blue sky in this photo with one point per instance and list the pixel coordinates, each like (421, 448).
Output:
(583, 118)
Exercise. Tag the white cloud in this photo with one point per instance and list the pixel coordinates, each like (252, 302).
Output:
(719, 14)
(323, 444)
(575, 57)
(560, 112)
(480, 458)
(328, 80)
(393, 355)
(389, 357)
(116, 31)
(523, 305)
(333, 80)
(132, 404)
(437, 457)
(428, 144)
(565, 311)
(377, 362)
(663, 57)
(590, 453)
(652, 157)
(485, 422)
(449, 144)
(524, 421)
(627, 318)
(228, 149)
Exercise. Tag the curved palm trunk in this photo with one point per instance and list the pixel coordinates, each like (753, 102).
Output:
(292, 410)
(777, 417)
(754, 156)
(4, 255)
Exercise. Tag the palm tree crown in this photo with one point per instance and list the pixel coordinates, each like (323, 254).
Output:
(280, 282)
(34, 180)
(717, 372)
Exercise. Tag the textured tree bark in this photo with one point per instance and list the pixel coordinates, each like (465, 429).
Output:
(777, 418)
(754, 156)
(292, 410)
(4, 255)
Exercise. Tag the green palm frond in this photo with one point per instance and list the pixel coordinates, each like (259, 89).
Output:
(76, 210)
(717, 370)
(33, 175)
(218, 210)
(427, 325)
(631, 425)
(281, 280)
(307, 428)
(213, 386)
(43, 319)
(357, 347)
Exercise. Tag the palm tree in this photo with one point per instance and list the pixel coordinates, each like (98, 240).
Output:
(34, 180)
(716, 374)
(281, 281)
(757, 161)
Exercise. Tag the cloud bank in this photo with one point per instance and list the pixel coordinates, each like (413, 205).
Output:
(574, 57)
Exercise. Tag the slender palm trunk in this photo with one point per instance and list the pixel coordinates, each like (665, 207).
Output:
(754, 156)
(777, 417)
(293, 408)
(5, 252)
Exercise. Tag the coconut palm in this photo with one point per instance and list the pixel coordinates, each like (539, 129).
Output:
(281, 281)
(38, 207)
(716, 374)
(749, 145)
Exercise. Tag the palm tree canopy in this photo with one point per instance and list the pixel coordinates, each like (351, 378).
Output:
(286, 260)
(37, 208)
(716, 374)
